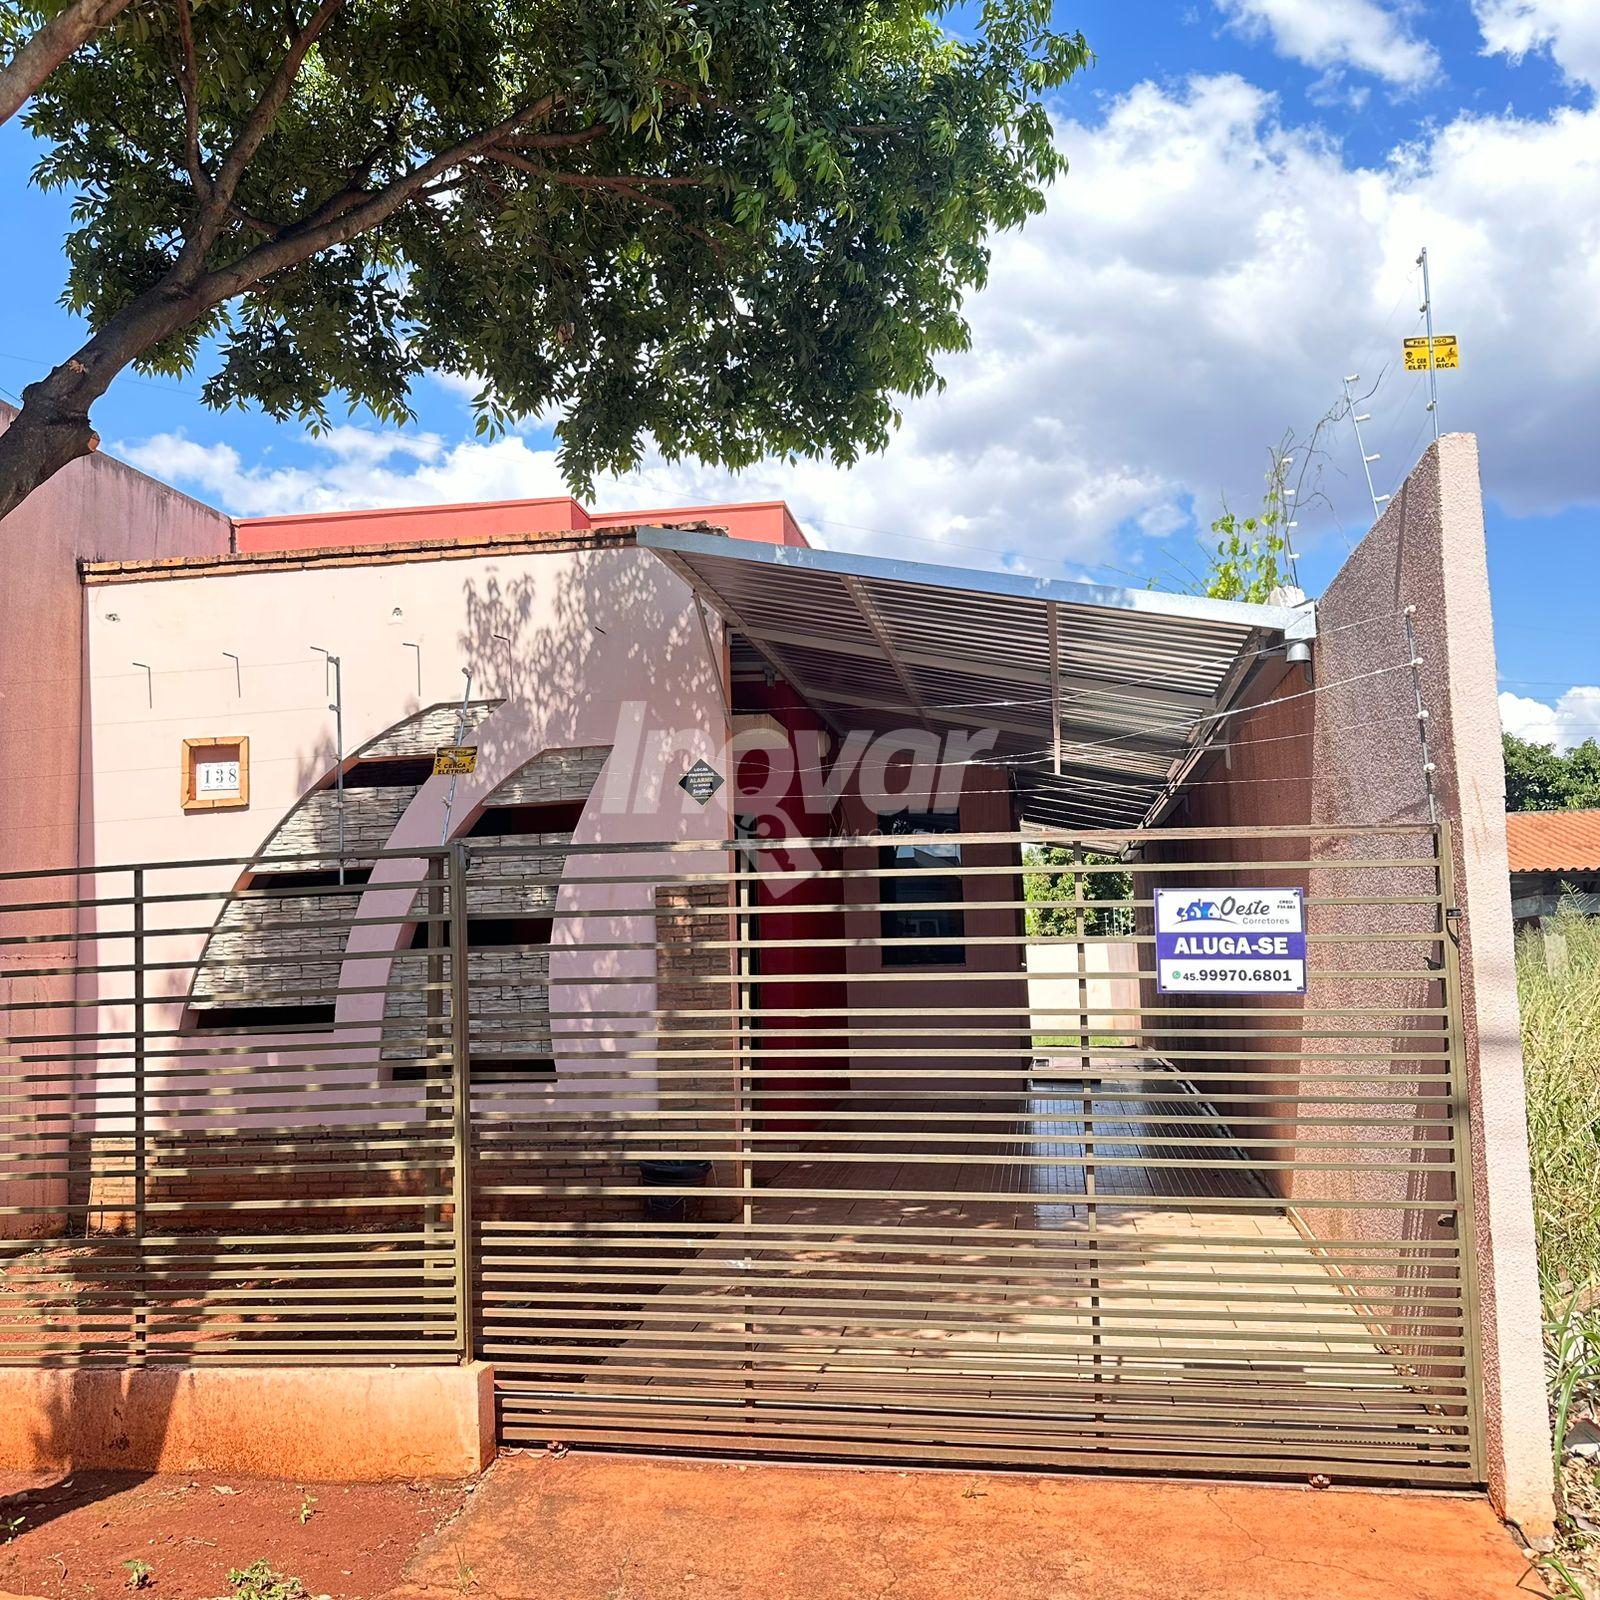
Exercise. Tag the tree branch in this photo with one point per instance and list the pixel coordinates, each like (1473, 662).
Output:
(189, 87)
(268, 230)
(53, 426)
(343, 218)
(559, 141)
(214, 210)
(48, 47)
(593, 180)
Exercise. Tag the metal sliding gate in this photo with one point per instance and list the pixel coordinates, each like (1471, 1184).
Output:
(887, 1148)
(870, 1148)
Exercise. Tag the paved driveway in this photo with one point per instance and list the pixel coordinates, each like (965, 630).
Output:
(590, 1527)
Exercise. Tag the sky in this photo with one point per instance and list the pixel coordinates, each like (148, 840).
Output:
(1250, 184)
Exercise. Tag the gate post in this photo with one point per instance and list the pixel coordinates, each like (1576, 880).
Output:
(1463, 1133)
(141, 1142)
(461, 1102)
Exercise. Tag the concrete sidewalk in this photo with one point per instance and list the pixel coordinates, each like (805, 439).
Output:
(617, 1528)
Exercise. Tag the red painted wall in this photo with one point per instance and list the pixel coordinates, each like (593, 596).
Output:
(768, 521)
(795, 1014)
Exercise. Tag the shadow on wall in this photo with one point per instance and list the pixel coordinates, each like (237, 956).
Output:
(574, 642)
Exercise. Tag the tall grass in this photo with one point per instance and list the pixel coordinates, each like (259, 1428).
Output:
(1558, 983)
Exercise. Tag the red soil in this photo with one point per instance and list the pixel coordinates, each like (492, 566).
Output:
(79, 1531)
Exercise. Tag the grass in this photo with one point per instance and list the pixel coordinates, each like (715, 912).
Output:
(1558, 984)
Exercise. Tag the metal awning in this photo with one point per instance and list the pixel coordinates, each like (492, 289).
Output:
(1100, 698)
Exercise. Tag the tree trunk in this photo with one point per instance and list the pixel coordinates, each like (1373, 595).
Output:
(41, 440)
(53, 428)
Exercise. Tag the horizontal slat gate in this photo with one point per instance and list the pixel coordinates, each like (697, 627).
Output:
(788, 1194)
(218, 1146)
(750, 1170)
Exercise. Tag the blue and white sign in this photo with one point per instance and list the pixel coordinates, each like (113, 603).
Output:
(1230, 941)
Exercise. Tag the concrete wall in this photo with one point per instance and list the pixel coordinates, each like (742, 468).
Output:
(766, 521)
(1351, 754)
(337, 1424)
(97, 508)
(1106, 986)
(990, 977)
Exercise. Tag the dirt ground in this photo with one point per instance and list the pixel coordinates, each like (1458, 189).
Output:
(594, 1527)
(73, 1536)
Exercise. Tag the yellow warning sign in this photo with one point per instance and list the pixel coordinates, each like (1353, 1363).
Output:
(454, 760)
(1446, 353)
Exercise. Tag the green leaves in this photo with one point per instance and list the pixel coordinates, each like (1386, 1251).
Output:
(1540, 778)
(728, 228)
(1249, 559)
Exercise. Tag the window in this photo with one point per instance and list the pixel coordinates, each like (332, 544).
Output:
(290, 1018)
(921, 905)
(388, 772)
(513, 1069)
(508, 822)
(486, 933)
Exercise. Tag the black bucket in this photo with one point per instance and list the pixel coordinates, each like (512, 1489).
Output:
(671, 1175)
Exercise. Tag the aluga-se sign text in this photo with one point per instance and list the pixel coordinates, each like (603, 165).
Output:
(1230, 941)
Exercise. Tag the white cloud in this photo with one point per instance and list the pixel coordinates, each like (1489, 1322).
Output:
(1202, 279)
(1337, 33)
(1568, 29)
(354, 467)
(1572, 719)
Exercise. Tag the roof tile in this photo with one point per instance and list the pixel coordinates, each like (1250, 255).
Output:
(1553, 841)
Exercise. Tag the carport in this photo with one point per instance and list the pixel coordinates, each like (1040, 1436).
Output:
(930, 1212)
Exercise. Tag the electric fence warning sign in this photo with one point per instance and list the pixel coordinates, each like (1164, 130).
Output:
(1446, 353)
(1230, 941)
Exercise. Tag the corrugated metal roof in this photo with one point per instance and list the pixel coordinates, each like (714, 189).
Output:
(1125, 683)
(1553, 841)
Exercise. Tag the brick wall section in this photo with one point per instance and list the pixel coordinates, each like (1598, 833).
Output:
(556, 775)
(509, 988)
(424, 733)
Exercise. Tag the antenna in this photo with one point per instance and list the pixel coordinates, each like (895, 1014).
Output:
(1356, 419)
(1278, 480)
(1426, 308)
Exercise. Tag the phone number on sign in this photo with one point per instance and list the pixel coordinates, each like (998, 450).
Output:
(1234, 974)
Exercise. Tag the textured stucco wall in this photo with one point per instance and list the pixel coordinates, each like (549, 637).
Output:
(1351, 754)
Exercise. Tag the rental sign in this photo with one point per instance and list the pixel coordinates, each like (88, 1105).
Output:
(1230, 941)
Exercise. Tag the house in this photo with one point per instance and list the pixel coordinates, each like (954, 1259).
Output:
(1555, 861)
(541, 974)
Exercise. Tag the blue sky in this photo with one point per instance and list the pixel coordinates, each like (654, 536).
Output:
(1251, 180)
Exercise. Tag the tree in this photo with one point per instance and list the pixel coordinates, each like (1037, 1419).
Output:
(1540, 778)
(1048, 877)
(733, 228)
